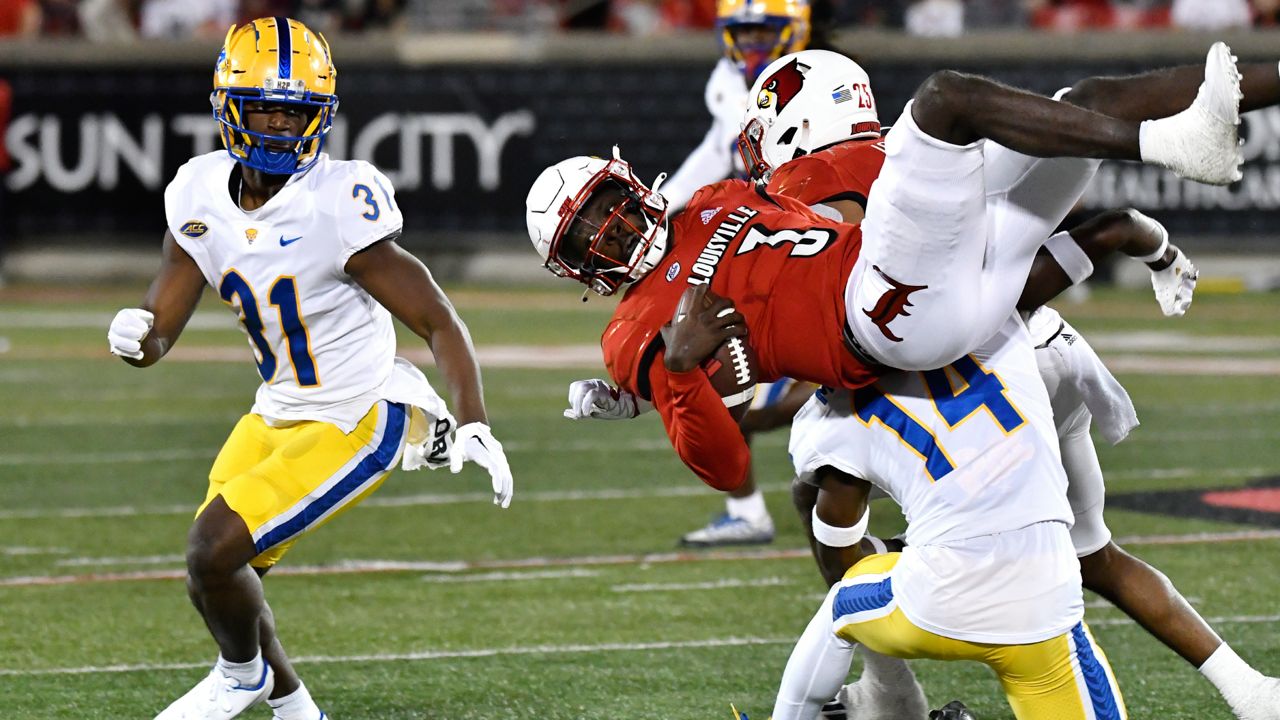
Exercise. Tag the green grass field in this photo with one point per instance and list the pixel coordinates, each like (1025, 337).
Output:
(429, 602)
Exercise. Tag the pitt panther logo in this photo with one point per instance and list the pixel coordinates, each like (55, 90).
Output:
(194, 229)
(251, 234)
(893, 303)
(782, 86)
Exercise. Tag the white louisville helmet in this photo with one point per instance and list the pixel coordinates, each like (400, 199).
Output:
(802, 102)
(552, 212)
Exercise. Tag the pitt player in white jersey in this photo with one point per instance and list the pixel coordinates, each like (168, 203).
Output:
(302, 248)
(989, 573)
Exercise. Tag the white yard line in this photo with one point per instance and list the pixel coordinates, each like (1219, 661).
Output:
(424, 655)
(713, 585)
(427, 655)
(362, 567)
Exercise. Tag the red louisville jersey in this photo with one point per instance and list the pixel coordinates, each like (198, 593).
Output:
(840, 172)
(785, 270)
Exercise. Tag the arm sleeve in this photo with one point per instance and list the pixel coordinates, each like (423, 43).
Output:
(701, 429)
(818, 665)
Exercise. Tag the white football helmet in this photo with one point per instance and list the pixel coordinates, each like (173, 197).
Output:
(802, 102)
(552, 212)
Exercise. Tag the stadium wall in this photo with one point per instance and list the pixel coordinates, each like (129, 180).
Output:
(462, 125)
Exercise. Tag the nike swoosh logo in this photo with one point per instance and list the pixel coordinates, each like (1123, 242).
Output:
(290, 241)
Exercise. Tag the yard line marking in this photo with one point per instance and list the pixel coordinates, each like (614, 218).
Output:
(1241, 619)
(425, 499)
(512, 576)
(127, 560)
(713, 585)
(135, 456)
(1186, 472)
(362, 567)
(425, 655)
(1197, 538)
(422, 655)
(20, 550)
(102, 458)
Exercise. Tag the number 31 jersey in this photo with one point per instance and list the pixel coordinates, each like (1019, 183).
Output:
(324, 347)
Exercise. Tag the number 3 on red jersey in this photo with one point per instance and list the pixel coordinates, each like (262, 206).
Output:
(807, 243)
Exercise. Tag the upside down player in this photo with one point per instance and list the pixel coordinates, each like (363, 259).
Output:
(303, 249)
(835, 167)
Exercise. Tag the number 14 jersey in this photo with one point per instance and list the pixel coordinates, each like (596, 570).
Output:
(325, 349)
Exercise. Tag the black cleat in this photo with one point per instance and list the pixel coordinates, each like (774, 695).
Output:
(954, 710)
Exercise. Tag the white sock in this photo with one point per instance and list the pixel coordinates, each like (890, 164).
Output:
(750, 507)
(245, 673)
(297, 705)
(1233, 677)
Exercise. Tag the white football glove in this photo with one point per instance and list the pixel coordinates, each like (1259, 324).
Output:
(127, 331)
(476, 443)
(1174, 285)
(598, 399)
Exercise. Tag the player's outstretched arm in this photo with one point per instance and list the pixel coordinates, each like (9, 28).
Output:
(143, 335)
(1069, 258)
(405, 287)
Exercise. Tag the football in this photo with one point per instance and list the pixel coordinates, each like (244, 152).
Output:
(731, 368)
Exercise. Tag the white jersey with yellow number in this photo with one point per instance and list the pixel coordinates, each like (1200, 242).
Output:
(971, 455)
(325, 349)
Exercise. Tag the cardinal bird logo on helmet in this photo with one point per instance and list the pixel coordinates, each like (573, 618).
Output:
(782, 86)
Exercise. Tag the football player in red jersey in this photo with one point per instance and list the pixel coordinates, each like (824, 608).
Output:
(835, 169)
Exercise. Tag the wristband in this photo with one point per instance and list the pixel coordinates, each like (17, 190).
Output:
(1164, 246)
(1070, 256)
(839, 537)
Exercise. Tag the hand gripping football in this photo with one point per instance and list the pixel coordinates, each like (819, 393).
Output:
(732, 367)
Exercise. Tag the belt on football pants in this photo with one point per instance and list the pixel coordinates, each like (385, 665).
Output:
(859, 353)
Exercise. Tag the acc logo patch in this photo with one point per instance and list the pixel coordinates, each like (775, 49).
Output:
(708, 214)
(673, 271)
(194, 229)
(251, 234)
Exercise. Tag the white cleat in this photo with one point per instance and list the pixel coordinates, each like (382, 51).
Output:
(865, 700)
(218, 697)
(1202, 142)
(1261, 704)
(728, 530)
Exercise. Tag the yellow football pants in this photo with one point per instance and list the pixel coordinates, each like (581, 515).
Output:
(287, 481)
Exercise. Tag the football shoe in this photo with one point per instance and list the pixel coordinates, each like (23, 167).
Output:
(1202, 142)
(728, 530)
(1261, 704)
(954, 710)
(219, 697)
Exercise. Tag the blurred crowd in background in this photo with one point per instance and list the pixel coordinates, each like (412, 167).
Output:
(123, 20)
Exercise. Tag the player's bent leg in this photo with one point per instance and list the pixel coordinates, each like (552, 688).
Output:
(909, 299)
(1147, 596)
